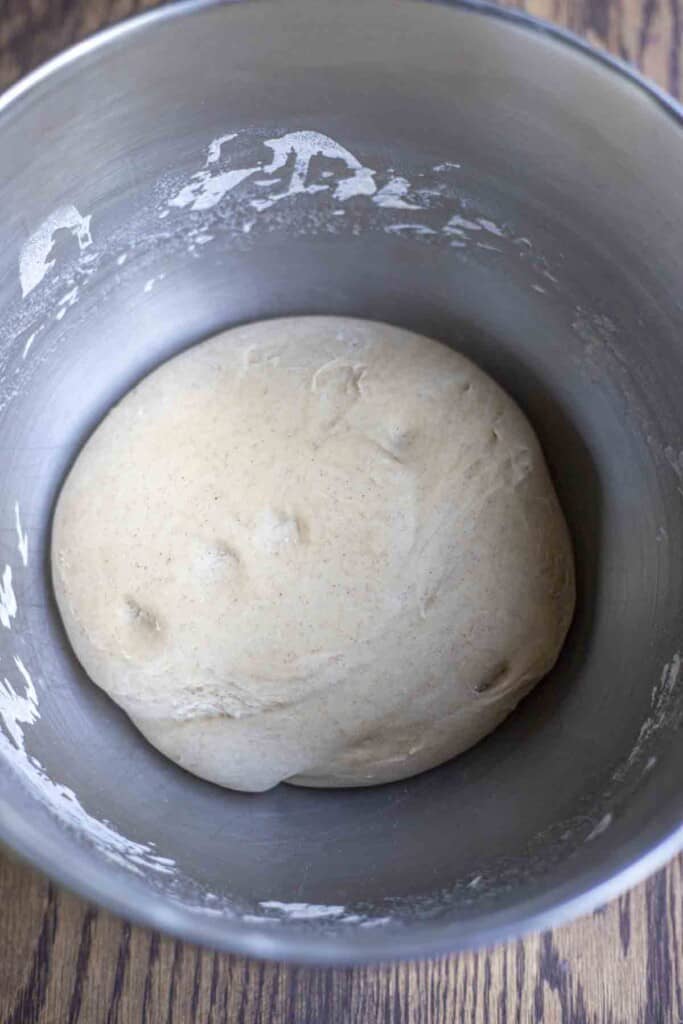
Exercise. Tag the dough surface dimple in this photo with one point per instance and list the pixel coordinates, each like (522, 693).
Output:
(320, 550)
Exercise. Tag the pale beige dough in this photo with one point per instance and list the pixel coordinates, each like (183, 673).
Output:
(318, 550)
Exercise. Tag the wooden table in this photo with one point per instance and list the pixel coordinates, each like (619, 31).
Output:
(63, 962)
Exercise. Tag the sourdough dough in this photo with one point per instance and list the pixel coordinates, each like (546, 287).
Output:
(318, 550)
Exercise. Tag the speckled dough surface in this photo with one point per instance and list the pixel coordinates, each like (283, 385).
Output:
(319, 550)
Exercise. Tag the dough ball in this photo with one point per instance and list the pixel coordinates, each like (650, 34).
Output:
(319, 550)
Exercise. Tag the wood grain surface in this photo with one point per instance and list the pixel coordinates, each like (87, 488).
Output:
(63, 962)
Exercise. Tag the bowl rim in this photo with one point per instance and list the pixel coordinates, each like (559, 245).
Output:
(586, 891)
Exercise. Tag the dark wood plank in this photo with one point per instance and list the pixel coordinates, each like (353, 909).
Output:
(62, 962)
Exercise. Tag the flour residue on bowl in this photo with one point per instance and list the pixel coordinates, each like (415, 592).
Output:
(250, 181)
(208, 186)
(22, 536)
(303, 911)
(19, 708)
(282, 911)
(304, 146)
(417, 229)
(35, 260)
(8, 600)
(67, 300)
(306, 163)
(151, 282)
(19, 711)
(393, 195)
(600, 827)
(663, 705)
(28, 343)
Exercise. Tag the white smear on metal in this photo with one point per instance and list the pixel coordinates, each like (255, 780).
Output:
(601, 827)
(344, 919)
(311, 912)
(662, 693)
(15, 710)
(120, 260)
(34, 260)
(66, 301)
(214, 153)
(149, 285)
(20, 709)
(311, 163)
(446, 166)
(303, 911)
(460, 226)
(660, 701)
(29, 342)
(491, 227)
(22, 536)
(304, 147)
(69, 298)
(62, 801)
(418, 229)
(392, 195)
(207, 189)
(298, 149)
(8, 601)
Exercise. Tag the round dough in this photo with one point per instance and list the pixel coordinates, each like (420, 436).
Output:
(319, 550)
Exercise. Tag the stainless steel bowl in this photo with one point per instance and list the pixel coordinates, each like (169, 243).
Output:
(466, 173)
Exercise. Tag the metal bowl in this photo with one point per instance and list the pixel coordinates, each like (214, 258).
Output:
(469, 174)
